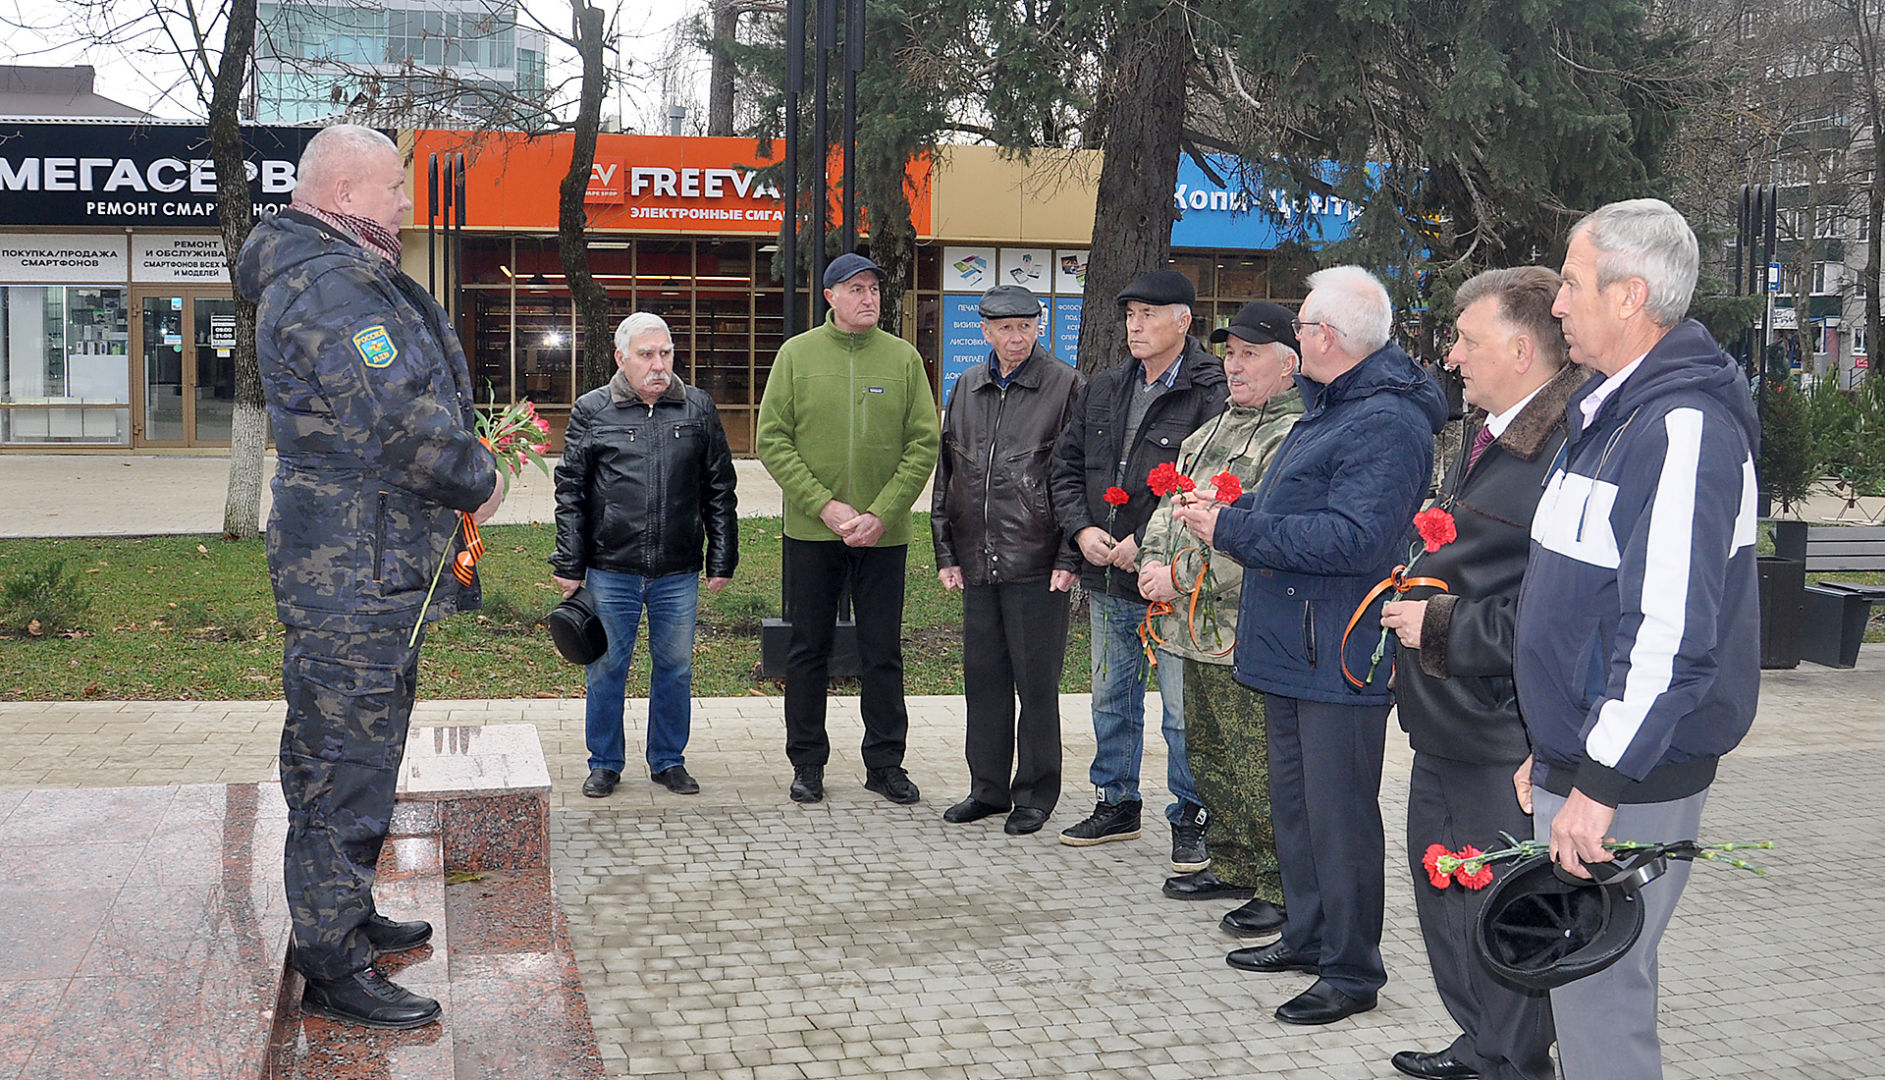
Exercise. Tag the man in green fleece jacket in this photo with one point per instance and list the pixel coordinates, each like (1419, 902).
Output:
(848, 428)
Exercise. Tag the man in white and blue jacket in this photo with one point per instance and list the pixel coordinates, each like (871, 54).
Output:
(1332, 517)
(1637, 651)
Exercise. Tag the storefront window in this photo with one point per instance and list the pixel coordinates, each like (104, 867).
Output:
(64, 377)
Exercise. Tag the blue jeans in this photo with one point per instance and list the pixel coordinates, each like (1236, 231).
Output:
(1119, 678)
(671, 601)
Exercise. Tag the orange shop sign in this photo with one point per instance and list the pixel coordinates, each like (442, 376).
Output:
(653, 183)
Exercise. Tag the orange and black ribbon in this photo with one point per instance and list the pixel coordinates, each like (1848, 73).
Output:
(465, 561)
(1400, 583)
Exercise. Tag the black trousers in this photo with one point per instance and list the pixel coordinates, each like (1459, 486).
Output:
(815, 572)
(349, 706)
(1014, 640)
(1507, 1030)
(1325, 801)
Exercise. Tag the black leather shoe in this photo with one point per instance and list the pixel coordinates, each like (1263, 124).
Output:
(1258, 918)
(387, 936)
(893, 784)
(971, 809)
(1440, 1066)
(1025, 820)
(1322, 1004)
(369, 999)
(808, 783)
(1271, 958)
(675, 779)
(600, 783)
(1204, 885)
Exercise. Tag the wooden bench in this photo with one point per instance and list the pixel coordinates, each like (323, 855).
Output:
(1835, 612)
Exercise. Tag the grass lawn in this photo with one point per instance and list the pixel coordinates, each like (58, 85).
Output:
(191, 617)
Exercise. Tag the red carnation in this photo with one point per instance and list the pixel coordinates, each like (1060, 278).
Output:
(1431, 861)
(1436, 528)
(1117, 496)
(1472, 878)
(1165, 479)
(1229, 488)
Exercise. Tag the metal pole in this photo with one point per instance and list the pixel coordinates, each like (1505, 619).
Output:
(821, 149)
(431, 211)
(1770, 231)
(445, 218)
(789, 191)
(853, 63)
(458, 242)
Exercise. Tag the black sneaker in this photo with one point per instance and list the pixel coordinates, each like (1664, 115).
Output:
(808, 783)
(893, 784)
(387, 936)
(369, 999)
(1188, 854)
(1109, 821)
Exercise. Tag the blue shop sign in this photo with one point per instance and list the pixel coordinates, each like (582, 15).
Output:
(1227, 217)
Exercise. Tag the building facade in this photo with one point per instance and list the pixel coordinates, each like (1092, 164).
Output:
(116, 315)
(392, 61)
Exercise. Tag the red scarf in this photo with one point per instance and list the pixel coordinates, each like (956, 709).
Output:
(372, 235)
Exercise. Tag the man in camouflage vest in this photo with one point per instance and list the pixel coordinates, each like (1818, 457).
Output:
(370, 402)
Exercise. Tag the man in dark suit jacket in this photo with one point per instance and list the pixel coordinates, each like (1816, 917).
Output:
(1455, 690)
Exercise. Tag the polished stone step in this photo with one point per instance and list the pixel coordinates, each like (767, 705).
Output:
(145, 930)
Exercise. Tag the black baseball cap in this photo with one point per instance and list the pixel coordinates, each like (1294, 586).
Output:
(1260, 322)
(847, 266)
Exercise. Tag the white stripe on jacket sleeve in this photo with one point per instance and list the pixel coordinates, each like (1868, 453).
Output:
(1663, 592)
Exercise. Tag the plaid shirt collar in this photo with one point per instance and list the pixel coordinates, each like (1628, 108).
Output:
(1170, 376)
(372, 235)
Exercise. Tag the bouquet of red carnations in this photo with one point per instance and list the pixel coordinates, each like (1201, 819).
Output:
(517, 435)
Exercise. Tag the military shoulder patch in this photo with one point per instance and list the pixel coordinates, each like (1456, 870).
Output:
(376, 347)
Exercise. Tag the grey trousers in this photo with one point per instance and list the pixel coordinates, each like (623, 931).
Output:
(1607, 1021)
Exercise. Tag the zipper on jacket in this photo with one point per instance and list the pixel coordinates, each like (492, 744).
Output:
(379, 535)
(1309, 631)
(988, 475)
(850, 431)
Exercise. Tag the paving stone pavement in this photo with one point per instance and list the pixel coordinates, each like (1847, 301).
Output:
(737, 935)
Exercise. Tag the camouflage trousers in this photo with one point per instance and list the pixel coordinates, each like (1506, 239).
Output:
(1229, 749)
(349, 703)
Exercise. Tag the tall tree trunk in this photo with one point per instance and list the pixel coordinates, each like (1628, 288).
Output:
(248, 435)
(720, 80)
(1132, 224)
(886, 206)
(597, 361)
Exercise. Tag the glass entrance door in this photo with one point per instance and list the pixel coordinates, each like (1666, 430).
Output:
(188, 374)
(162, 417)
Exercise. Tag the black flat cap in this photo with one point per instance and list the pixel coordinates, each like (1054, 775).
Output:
(847, 266)
(1010, 302)
(1158, 287)
(1260, 322)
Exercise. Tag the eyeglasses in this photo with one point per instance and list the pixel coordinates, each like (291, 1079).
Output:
(1298, 324)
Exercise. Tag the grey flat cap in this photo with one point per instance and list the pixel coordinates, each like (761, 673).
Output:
(1010, 302)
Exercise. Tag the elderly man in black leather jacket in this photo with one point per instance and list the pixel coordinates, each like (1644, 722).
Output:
(646, 479)
(997, 541)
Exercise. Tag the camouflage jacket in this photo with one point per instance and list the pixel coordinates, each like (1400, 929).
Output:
(370, 405)
(1241, 442)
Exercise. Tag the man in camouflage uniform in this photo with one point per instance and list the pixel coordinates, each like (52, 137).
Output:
(1225, 741)
(370, 402)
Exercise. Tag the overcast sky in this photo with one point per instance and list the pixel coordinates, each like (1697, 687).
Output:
(146, 79)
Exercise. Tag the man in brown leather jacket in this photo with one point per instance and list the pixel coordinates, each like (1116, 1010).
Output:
(997, 541)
